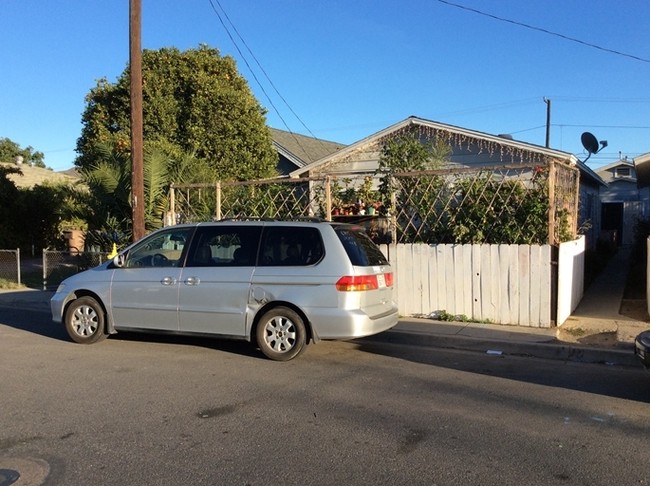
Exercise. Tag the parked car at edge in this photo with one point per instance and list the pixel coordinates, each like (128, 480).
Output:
(278, 284)
(642, 348)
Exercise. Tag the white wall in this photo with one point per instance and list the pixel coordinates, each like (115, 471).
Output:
(571, 278)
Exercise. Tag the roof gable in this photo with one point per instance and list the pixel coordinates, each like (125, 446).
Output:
(464, 141)
(621, 171)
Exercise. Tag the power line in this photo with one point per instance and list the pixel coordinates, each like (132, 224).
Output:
(639, 127)
(582, 125)
(498, 106)
(263, 72)
(241, 54)
(578, 99)
(545, 31)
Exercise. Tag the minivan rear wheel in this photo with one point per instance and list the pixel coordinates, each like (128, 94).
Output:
(281, 334)
(85, 321)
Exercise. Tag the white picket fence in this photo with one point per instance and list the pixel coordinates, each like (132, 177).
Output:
(504, 284)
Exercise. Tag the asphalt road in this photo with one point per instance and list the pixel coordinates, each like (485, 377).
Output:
(152, 410)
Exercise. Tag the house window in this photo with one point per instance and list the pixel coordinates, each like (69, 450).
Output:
(622, 172)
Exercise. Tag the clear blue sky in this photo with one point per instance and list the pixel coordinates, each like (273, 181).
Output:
(348, 69)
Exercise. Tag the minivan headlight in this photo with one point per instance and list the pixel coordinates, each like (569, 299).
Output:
(644, 338)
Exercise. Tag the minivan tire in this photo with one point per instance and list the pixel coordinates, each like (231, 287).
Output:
(281, 334)
(85, 321)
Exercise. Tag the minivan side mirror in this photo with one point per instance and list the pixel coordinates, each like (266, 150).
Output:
(119, 261)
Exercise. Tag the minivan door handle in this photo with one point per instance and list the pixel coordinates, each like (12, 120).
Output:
(168, 281)
(192, 281)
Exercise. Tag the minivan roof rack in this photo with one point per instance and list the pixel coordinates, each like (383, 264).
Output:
(309, 219)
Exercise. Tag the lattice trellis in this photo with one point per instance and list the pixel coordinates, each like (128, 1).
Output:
(264, 199)
(514, 204)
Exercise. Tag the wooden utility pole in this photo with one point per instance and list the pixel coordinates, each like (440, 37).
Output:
(548, 122)
(137, 157)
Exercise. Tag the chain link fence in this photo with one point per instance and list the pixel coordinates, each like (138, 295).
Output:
(59, 265)
(10, 266)
(513, 204)
(46, 272)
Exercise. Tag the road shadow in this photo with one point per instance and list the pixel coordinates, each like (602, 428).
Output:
(36, 321)
(39, 322)
(233, 346)
(630, 383)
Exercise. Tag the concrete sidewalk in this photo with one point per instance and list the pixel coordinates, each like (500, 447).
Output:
(499, 340)
(598, 321)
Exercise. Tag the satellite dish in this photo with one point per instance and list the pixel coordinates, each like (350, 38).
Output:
(589, 142)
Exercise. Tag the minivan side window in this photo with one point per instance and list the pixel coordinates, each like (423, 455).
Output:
(290, 246)
(162, 249)
(360, 248)
(224, 246)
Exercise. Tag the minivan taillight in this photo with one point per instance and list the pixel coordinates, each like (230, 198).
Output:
(389, 279)
(356, 283)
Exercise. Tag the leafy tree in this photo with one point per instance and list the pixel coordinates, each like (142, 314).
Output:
(420, 199)
(9, 194)
(9, 150)
(406, 152)
(40, 216)
(29, 218)
(194, 102)
(494, 210)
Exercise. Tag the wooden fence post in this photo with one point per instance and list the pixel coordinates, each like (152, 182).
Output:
(576, 202)
(172, 204)
(552, 205)
(328, 199)
(217, 209)
(393, 211)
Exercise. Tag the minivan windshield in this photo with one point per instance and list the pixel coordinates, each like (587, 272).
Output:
(360, 248)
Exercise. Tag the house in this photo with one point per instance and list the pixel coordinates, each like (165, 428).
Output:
(469, 148)
(623, 201)
(642, 166)
(524, 282)
(297, 151)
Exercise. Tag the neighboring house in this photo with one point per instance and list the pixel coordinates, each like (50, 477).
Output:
(622, 202)
(642, 166)
(297, 151)
(470, 148)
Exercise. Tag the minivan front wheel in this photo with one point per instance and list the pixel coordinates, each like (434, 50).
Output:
(85, 321)
(281, 334)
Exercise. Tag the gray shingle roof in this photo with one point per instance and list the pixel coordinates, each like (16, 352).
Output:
(303, 150)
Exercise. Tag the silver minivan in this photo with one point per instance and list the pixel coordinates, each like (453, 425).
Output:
(278, 284)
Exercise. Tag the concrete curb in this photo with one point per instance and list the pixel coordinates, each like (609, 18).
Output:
(551, 349)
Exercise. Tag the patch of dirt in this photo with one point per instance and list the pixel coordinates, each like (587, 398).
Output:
(602, 334)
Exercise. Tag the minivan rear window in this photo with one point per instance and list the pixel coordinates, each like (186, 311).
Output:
(360, 248)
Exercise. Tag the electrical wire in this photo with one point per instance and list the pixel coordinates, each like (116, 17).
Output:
(241, 54)
(275, 109)
(545, 31)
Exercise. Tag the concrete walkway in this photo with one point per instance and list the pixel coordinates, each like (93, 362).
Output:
(598, 319)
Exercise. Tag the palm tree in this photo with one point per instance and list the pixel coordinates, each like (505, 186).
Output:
(104, 198)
